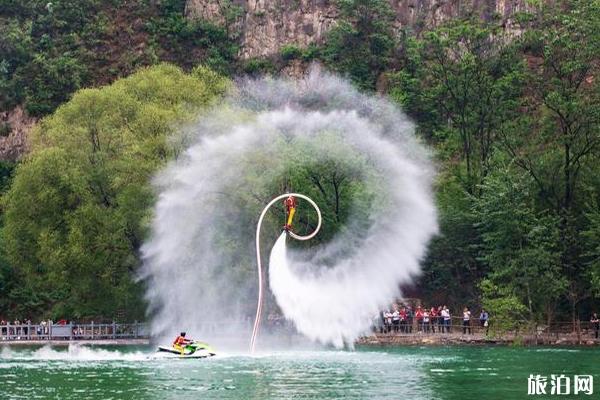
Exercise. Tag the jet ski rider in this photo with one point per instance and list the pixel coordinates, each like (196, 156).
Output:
(180, 342)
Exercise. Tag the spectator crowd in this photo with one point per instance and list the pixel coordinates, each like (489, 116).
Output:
(405, 319)
(18, 328)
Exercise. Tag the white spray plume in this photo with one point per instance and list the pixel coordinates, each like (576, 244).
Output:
(199, 260)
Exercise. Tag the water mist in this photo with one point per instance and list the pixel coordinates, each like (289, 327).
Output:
(199, 261)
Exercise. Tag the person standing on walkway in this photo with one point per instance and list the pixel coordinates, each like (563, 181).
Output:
(433, 317)
(419, 318)
(403, 317)
(595, 324)
(396, 320)
(446, 319)
(426, 321)
(466, 321)
(483, 320)
(388, 321)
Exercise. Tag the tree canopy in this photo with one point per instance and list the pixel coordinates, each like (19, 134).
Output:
(77, 210)
(514, 118)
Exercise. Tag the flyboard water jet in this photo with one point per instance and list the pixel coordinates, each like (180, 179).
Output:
(290, 204)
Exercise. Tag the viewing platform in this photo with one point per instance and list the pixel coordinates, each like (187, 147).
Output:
(578, 333)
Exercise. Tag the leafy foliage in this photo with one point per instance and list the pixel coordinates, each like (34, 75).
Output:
(186, 42)
(505, 309)
(461, 83)
(520, 245)
(515, 125)
(76, 213)
(361, 44)
(290, 52)
(49, 50)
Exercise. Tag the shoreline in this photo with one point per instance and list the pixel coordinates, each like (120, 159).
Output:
(377, 340)
(416, 339)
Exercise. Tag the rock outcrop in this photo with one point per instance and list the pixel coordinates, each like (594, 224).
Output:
(15, 126)
(264, 26)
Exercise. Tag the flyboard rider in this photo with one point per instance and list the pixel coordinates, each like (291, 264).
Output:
(290, 208)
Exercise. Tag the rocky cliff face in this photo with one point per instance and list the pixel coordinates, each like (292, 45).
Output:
(266, 25)
(15, 126)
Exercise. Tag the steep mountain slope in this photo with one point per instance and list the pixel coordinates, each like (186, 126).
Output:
(265, 27)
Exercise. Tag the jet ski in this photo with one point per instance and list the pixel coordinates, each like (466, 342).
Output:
(195, 349)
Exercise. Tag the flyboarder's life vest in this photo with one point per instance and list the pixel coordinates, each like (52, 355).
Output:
(290, 203)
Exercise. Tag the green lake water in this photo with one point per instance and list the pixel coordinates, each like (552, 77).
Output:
(82, 372)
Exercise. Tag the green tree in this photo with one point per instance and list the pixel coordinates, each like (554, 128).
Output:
(76, 213)
(506, 311)
(187, 42)
(361, 44)
(519, 244)
(562, 117)
(51, 49)
(15, 51)
(452, 267)
(591, 239)
(461, 82)
(54, 80)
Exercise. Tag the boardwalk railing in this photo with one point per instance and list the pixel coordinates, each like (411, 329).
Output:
(456, 326)
(73, 331)
(139, 330)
